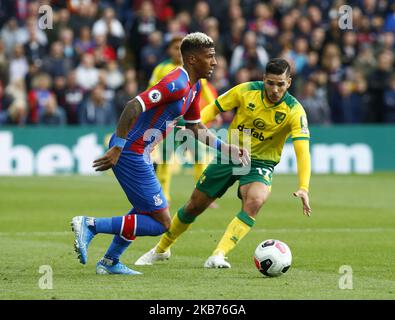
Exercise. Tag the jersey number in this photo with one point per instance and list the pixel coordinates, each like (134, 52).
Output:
(261, 170)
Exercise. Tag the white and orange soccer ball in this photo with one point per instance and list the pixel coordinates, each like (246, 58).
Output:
(272, 258)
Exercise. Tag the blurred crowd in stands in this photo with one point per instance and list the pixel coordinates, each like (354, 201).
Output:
(100, 54)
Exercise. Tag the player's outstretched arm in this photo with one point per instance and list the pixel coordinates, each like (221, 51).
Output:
(203, 134)
(131, 111)
(304, 171)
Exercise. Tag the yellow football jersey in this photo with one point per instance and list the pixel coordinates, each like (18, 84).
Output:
(266, 125)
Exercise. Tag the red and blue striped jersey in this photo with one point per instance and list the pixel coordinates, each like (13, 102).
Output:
(163, 105)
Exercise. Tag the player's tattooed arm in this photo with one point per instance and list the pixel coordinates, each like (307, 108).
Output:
(131, 111)
(129, 114)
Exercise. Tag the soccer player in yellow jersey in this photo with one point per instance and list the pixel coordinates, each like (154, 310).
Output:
(269, 114)
(208, 94)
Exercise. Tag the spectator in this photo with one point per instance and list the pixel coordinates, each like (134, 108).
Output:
(377, 85)
(52, 114)
(316, 106)
(211, 28)
(57, 65)
(234, 38)
(264, 24)
(16, 114)
(16, 90)
(3, 63)
(60, 23)
(7, 9)
(249, 55)
(115, 77)
(365, 61)
(173, 28)
(317, 40)
(386, 41)
(144, 24)
(220, 79)
(38, 97)
(102, 52)
(84, 43)
(311, 66)
(67, 40)
(351, 104)
(109, 26)
(129, 91)
(32, 28)
(315, 16)
(87, 74)
(95, 110)
(303, 27)
(298, 55)
(389, 101)
(19, 66)
(152, 53)
(12, 35)
(109, 93)
(200, 13)
(349, 47)
(74, 96)
(5, 99)
(34, 50)
(83, 14)
(389, 24)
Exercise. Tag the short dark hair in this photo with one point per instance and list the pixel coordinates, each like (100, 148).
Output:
(196, 41)
(278, 66)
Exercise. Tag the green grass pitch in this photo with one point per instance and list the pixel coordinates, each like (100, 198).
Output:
(353, 224)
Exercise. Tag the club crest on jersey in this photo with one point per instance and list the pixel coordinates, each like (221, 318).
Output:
(154, 95)
(279, 117)
(158, 200)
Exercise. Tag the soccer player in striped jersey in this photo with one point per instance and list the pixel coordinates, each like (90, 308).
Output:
(208, 94)
(268, 114)
(143, 121)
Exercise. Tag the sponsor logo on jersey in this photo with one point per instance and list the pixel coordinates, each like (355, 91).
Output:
(154, 95)
(252, 132)
(279, 117)
(304, 125)
(172, 87)
(251, 106)
(259, 124)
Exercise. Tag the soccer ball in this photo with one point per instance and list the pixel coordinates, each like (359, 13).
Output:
(272, 258)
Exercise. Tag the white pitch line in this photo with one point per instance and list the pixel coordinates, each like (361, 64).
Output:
(310, 230)
(274, 230)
